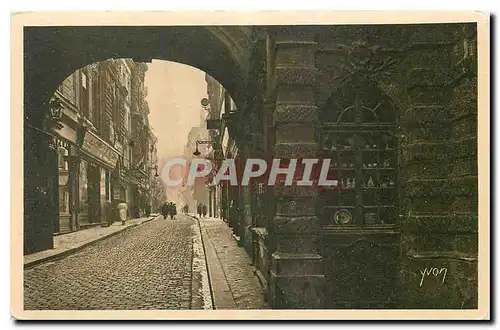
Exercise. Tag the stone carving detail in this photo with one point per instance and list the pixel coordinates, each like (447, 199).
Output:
(296, 149)
(296, 113)
(363, 59)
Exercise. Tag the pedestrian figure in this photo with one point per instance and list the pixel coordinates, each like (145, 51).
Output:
(172, 210)
(165, 210)
(199, 210)
(187, 209)
(109, 213)
(204, 210)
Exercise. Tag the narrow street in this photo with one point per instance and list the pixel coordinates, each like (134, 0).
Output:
(160, 264)
(157, 265)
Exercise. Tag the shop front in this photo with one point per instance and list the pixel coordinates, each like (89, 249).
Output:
(131, 199)
(66, 146)
(98, 161)
(144, 198)
(63, 224)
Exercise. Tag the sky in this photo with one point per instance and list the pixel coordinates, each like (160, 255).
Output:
(174, 94)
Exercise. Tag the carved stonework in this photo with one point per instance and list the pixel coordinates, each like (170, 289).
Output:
(296, 75)
(295, 207)
(301, 225)
(366, 60)
(296, 149)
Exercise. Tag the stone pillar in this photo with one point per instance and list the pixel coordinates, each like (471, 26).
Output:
(73, 188)
(40, 189)
(214, 202)
(210, 194)
(439, 225)
(246, 222)
(296, 275)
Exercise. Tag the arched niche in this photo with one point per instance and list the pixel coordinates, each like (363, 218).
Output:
(359, 134)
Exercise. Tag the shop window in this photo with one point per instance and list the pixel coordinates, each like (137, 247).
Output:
(358, 135)
(62, 152)
(108, 187)
(84, 200)
(63, 200)
(103, 187)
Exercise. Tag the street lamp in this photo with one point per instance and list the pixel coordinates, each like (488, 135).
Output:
(205, 103)
(56, 110)
(197, 152)
(152, 148)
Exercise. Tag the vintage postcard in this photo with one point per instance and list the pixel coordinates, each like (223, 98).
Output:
(259, 165)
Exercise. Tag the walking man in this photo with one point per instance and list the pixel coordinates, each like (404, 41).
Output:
(204, 210)
(164, 210)
(199, 210)
(172, 210)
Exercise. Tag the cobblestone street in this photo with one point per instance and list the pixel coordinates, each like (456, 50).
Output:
(145, 267)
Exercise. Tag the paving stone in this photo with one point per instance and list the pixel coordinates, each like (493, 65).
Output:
(149, 267)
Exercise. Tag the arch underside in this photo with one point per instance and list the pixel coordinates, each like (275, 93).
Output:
(53, 53)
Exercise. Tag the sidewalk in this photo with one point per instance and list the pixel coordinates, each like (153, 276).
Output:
(232, 279)
(67, 244)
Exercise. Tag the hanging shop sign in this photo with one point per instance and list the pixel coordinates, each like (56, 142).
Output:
(66, 133)
(96, 147)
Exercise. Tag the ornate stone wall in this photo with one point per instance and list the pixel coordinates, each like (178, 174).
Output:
(296, 276)
(428, 71)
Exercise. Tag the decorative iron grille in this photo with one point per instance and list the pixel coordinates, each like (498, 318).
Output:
(359, 136)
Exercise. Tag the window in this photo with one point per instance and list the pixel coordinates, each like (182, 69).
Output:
(63, 200)
(83, 189)
(126, 155)
(84, 80)
(111, 132)
(116, 110)
(96, 116)
(62, 162)
(358, 135)
(84, 95)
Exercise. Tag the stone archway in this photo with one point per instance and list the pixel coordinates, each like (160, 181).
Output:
(436, 89)
(53, 53)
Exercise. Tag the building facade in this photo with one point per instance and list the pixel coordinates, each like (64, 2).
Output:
(95, 144)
